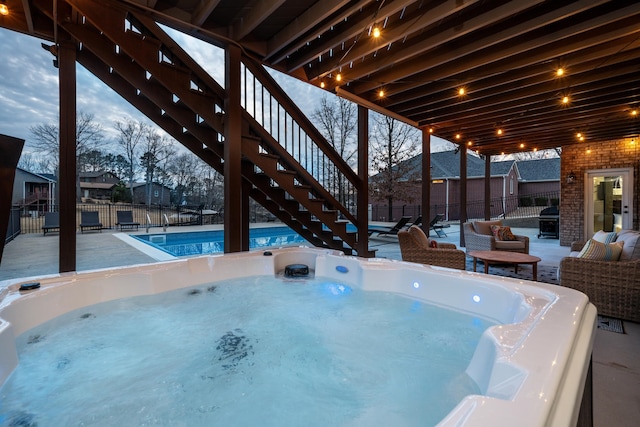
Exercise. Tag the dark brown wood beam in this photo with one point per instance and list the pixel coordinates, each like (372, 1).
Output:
(233, 200)
(67, 172)
(363, 183)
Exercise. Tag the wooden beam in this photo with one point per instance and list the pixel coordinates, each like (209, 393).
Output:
(255, 16)
(233, 204)
(426, 180)
(10, 150)
(67, 171)
(463, 191)
(363, 187)
(487, 187)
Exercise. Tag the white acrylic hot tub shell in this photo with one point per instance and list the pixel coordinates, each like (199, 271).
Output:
(530, 368)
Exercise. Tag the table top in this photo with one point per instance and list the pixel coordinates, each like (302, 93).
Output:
(504, 256)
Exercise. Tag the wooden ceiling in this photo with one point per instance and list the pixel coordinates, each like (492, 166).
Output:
(503, 53)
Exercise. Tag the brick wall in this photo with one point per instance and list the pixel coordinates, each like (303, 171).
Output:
(624, 153)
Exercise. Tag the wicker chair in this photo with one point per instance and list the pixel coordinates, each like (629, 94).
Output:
(475, 240)
(414, 246)
(612, 286)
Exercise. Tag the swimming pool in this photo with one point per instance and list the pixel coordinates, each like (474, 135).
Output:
(529, 368)
(212, 241)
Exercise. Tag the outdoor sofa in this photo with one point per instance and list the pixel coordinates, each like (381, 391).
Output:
(415, 246)
(613, 286)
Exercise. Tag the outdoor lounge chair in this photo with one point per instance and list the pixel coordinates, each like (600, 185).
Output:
(416, 247)
(90, 220)
(51, 222)
(382, 231)
(437, 227)
(125, 220)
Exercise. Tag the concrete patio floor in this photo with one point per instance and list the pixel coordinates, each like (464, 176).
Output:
(616, 365)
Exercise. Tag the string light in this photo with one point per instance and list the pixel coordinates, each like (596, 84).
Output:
(458, 136)
(634, 112)
(499, 131)
(565, 99)
(461, 91)
(522, 145)
(381, 93)
(430, 130)
(376, 32)
(4, 9)
(560, 72)
(338, 77)
(469, 143)
(322, 85)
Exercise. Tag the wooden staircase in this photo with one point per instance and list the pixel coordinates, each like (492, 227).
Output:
(136, 58)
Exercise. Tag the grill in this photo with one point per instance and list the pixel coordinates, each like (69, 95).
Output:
(549, 221)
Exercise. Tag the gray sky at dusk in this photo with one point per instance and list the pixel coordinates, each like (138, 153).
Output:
(29, 86)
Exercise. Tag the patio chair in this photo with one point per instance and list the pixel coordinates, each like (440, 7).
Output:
(437, 227)
(416, 247)
(382, 231)
(51, 222)
(125, 220)
(479, 237)
(90, 221)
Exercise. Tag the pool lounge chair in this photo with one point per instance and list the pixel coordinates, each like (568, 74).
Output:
(125, 220)
(382, 231)
(437, 227)
(51, 222)
(90, 220)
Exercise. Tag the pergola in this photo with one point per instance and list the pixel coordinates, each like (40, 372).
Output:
(492, 76)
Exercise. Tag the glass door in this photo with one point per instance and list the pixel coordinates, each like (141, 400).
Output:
(608, 200)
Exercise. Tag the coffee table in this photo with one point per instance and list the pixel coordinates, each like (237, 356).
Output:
(504, 257)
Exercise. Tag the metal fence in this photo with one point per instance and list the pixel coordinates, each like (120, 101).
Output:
(521, 206)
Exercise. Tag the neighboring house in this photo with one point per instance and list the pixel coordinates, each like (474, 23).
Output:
(34, 192)
(160, 194)
(506, 183)
(539, 176)
(97, 185)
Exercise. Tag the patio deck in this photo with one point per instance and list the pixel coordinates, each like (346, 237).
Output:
(616, 367)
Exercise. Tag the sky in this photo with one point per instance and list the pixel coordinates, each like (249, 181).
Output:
(29, 87)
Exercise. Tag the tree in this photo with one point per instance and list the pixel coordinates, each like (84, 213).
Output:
(392, 142)
(156, 151)
(131, 134)
(182, 171)
(89, 134)
(338, 122)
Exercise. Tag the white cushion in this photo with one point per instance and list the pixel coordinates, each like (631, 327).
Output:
(630, 239)
(604, 236)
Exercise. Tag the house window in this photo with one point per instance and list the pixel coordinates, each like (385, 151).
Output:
(511, 185)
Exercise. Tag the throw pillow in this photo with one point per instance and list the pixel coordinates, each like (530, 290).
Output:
(599, 251)
(502, 233)
(605, 236)
(484, 227)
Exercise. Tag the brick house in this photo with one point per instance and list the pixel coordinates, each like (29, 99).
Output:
(509, 180)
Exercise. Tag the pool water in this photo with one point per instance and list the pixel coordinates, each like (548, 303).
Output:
(212, 241)
(251, 351)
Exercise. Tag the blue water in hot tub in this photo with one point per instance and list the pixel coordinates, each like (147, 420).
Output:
(212, 241)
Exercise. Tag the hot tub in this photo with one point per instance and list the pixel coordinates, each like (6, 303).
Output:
(530, 368)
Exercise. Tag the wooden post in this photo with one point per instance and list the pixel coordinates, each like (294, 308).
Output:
(362, 216)
(426, 180)
(233, 205)
(10, 150)
(67, 170)
(463, 191)
(487, 187)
